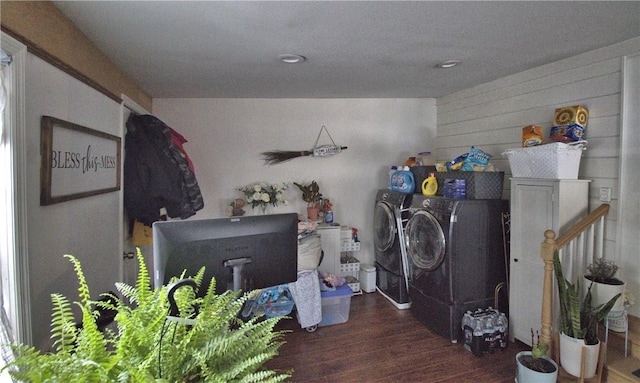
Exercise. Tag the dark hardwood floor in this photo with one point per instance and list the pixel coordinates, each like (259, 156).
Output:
(380, 343)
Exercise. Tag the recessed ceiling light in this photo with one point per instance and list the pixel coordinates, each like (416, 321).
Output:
(291, 58)
(448, 64)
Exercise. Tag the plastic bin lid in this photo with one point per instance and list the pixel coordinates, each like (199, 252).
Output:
(343, 290)
(367, 267)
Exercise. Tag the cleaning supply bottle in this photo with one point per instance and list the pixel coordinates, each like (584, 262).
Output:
(430, 185)
(328, 215)
(392, 170)
(403, 181)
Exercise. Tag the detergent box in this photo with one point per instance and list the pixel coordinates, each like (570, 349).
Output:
(455, 188)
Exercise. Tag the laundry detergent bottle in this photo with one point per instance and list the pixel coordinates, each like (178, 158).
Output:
(430, 185)
(392, 171)
(402, 180)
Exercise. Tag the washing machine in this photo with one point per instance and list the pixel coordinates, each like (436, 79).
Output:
(390, 215)
(456, 252)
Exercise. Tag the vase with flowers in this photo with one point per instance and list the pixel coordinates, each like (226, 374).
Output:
(262, 194)
(312, 196)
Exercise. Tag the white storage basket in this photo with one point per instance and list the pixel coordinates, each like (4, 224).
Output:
(554, 161)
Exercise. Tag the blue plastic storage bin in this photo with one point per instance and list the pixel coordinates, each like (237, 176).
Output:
(336, 305)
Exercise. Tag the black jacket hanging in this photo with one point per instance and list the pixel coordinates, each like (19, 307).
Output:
(156, 175)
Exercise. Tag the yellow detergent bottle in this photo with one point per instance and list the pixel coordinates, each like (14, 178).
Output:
(430, 185)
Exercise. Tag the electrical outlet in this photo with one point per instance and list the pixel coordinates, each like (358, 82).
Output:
(605, 194)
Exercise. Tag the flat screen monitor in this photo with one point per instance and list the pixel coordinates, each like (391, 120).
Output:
(241, 253)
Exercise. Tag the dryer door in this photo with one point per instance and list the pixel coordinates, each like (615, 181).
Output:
(385, 239)
(426, 245)
(384, 227)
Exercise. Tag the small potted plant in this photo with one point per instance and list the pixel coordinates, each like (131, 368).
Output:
(312, 196)
(535, 366)
(605, 284)
(578, 324)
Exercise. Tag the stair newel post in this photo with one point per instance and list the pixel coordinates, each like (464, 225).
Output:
(547, 249)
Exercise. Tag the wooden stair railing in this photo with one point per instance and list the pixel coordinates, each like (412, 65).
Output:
(581, 237)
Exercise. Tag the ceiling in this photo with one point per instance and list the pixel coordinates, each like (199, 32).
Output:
(356, 49)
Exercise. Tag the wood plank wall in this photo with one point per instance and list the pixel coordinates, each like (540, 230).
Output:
(491, 116)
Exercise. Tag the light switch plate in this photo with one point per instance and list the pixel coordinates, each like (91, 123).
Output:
(605, 194)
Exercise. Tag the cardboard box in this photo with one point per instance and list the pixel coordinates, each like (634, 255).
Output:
(571, 115)
(567, 133)
(335, 305)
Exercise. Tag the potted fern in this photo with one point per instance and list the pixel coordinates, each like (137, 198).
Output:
(535, 366)
(312, 196)
(206, 342)
(605, 285)
(578, 324)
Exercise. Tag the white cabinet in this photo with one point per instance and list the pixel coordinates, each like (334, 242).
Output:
(537, 205)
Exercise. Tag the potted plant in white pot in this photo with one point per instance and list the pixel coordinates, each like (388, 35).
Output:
(605, 284)
(578, 324)
(152, 343)
(535, 366)
(312, 196)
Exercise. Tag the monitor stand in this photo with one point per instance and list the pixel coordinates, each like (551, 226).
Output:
(237, 265)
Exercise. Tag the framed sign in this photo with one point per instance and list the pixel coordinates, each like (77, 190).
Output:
(76, 161)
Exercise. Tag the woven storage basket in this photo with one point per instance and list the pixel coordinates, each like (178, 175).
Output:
(553, 161)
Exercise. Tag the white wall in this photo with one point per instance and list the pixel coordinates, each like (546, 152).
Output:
(226, 137)
(491, 116)
(88, 228)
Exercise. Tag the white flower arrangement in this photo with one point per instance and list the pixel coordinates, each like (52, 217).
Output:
(261, 194)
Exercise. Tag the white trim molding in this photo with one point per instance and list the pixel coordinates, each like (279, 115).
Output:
(627, 255)
(16, 133)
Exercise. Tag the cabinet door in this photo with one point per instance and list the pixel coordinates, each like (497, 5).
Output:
(532, 212)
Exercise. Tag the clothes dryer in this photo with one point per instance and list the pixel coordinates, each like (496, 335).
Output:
(390, 215)
(457, 256)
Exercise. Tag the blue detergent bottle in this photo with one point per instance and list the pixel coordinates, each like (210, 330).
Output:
(402, 180)
(392, 170)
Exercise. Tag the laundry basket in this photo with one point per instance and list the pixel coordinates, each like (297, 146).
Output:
(553, 161)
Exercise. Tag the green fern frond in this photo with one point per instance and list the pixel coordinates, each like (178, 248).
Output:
(63, 326)
(143, 282)
(127, 291)
(83, 288)
(265, 376)
(210, 294)
(22, 368)
(91, 343)
(199, 277)
(109, 301)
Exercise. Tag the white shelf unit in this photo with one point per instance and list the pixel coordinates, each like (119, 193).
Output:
(350, 265)
(337, 246)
